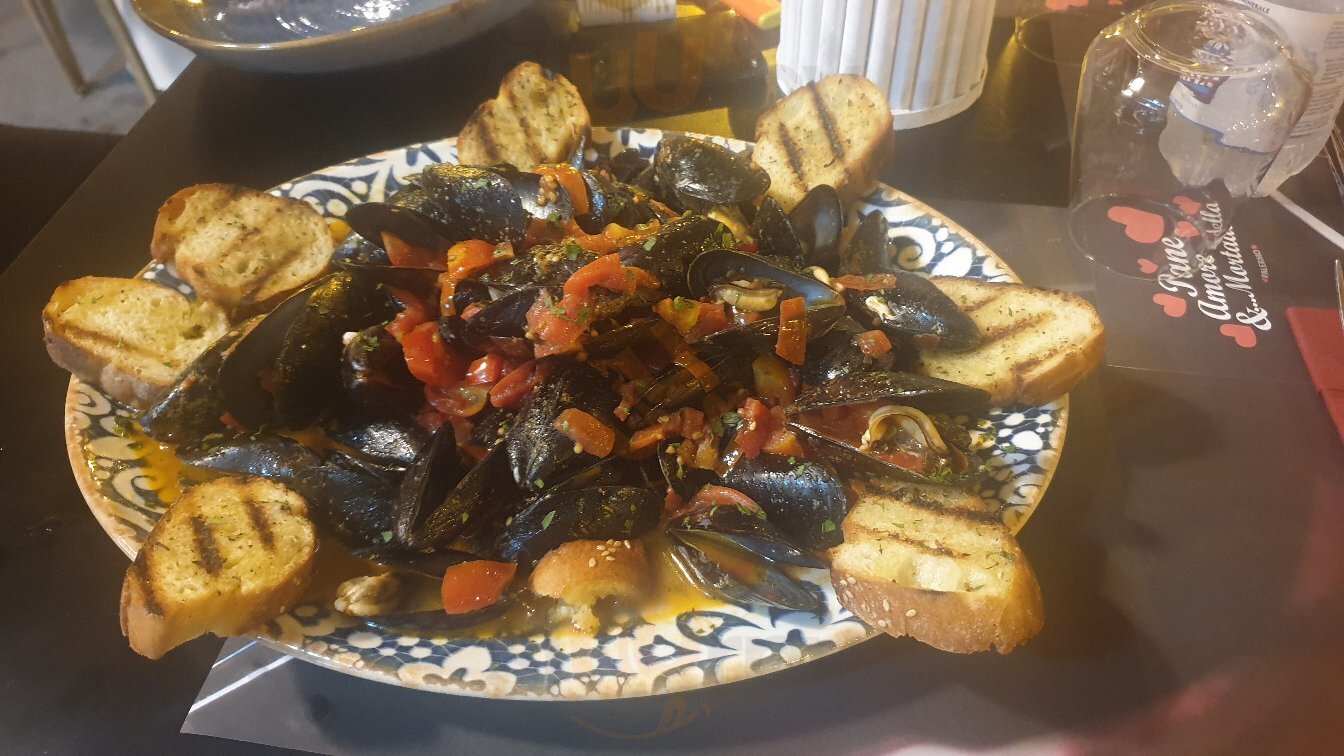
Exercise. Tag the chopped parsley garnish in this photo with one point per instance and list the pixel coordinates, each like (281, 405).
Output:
(548, 519)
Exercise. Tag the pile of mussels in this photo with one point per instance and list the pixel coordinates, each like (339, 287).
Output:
(503, 482)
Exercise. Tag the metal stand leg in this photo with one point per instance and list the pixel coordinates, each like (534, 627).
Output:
(49, 24)
(117, 25)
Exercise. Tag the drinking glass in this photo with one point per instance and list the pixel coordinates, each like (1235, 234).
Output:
(1059, 30)
(1182, 107)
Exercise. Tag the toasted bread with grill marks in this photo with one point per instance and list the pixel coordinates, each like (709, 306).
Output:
(538, 117)
(240, 248)
(128, 336)
(232, 554)
(1036, 344)
(835, 131)
(934, 563)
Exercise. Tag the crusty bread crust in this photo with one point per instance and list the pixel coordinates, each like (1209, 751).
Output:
(538, 117)
(243, 249)
(933, 563)
(1036, 344)
(231, 555)
(130, 337)
(836, 131)
(581, 572)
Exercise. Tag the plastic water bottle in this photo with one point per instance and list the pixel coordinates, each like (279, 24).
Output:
(1315, 30)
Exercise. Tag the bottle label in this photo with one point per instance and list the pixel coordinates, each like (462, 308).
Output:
(1317, 40)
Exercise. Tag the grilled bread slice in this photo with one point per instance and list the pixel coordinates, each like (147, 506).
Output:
(240, 248)
(1036, 344)
(230, 555)
(579, 573)
(538, 117)
(835, 131)
(127, 335)
(933, 563)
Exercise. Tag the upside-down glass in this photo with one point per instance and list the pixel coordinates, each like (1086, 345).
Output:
(1182, 107)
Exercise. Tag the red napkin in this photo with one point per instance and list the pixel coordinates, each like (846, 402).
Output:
(1320, 339)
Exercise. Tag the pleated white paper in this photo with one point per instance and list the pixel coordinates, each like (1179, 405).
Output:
(927, 55)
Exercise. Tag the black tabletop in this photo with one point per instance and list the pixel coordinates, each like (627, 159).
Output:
(1188, 548)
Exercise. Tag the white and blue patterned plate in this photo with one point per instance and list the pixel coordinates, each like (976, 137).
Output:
(715, 644)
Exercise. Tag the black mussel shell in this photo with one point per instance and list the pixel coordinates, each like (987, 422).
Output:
(604, 512)
(358, 251)
(192, 408)
(669, 253)
(741, 577)
(837, 353)
(431, 564)
(916, 311)
(775, 235)
(436, 470)
(241, 385)
(819, 220)
(677, 387)
(612, 202)
(392, 444)
(376, 380)
(490, 425)
(699, 175)
(627, 336)
(922, 392)
(869, 249)
(845, 457)
(344, 497)
(625, 165)
(501, 325)
(409, 215)
(722, 265)
(306, 376)
(803, 498)
(482, 493)
(541, 202)
(481, 203)
(541, 456)
(763, 335)
(470, 292)
(745, 528)
(684, 480)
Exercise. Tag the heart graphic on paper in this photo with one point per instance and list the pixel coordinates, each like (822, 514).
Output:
(1244, 335)
(1186, 229)
(1173, 306)
(1140, 225)
(1147, 266)
(1187, 205)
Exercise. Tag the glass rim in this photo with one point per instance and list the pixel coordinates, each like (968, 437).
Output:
(1154, 52)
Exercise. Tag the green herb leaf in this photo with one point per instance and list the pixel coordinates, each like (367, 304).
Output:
(548, 519)
(828, 527)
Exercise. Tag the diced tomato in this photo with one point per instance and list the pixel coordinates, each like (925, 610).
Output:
(792, 341)
(430, 419)
(542, 232)
(471, 310)
(651, 435)
(691, 422)
(404, 255)
(572, 181)
(748, 246)
(873, 343)
(755, 428)
(429, 359)
(774, 381)
(447, 288)
(612, 238)
(459, 399)
(475, 585)
(413, 313)
(555, 331)
(487, 369)
(672, 502)
(467, 258)
(606, 272)
(630, 393)
(514, 386)
(595, 436)
(871, 282)
(680, 312)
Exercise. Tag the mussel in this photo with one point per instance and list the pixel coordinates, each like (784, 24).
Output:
(390, 444)
(542, 197)
(668, 254)
(539, 455)
(803, 498)
(775, 235)
(441, 497)
(603, 512)
(481, 203)
(407, 214)
(613, 202)
(869, 249)
(501, 325)
(910, 389)
(837, 353)
(192, 408)
(916, 311)
(699, 175)
(375, 377)
(819, 220)
(752, 283)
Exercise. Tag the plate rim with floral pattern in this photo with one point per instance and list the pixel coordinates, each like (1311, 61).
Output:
(691, 650)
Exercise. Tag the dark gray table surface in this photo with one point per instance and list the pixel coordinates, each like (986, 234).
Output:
(1189, 549)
